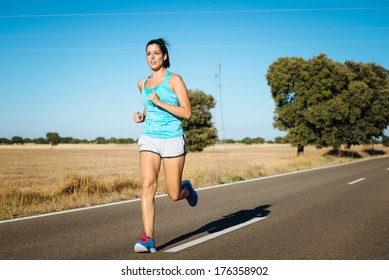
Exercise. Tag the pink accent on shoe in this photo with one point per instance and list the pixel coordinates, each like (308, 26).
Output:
(143, 237)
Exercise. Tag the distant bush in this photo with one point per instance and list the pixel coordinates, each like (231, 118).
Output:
(249, 141)
(385, 141)
(17, 140)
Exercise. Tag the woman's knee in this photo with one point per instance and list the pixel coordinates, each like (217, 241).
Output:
(148, 189)
(175, 195)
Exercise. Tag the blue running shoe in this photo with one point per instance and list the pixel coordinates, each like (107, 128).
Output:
(145, 245)
(192, 198)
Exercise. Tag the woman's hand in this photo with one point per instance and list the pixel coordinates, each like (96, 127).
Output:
(153, 97)
(138, 117)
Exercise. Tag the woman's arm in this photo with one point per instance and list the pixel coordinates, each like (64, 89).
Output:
(139, 117)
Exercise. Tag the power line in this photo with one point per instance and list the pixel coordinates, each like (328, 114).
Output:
(283, 44)
(194, 32)
(72, 49)
(202, 46)
(197, 12)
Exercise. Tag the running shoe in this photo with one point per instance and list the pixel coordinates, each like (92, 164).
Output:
(145, 245)
(192, 198)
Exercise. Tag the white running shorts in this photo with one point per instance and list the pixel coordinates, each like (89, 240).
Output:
(164, 147)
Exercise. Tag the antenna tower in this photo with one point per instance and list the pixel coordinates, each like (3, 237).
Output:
(219, 95)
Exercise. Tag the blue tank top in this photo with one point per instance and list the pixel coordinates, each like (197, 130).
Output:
(159, 123)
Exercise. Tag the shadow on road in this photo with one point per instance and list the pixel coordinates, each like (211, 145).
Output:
(228, 221)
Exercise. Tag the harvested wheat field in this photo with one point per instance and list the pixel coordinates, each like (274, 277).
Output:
(36, 179)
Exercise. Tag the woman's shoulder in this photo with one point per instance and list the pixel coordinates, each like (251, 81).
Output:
(140, 83)
(175, 77)
(176, 82)
(141, 80)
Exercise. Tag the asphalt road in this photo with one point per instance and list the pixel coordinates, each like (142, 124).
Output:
(339, 213)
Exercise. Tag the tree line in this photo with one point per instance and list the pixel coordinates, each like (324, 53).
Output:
(17, 140)
(54, 138)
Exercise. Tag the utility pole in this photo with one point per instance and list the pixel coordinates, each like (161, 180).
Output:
(219, 95)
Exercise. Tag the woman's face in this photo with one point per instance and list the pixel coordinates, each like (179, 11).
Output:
(155, 57)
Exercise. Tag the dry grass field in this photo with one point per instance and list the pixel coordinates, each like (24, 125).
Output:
(36, 179)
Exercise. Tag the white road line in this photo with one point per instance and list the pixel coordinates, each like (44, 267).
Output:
(213, 235)
(356, 181)
(67, 211)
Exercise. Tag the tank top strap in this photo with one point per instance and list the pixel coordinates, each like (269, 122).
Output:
(145, 81)
(168, 74)
(166, 80)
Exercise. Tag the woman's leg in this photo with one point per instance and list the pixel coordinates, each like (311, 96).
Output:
(150, 164)
(173, 168)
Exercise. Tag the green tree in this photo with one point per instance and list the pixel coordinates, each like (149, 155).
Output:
(286, 78)
(53, 138)
(101, 140)
(199, 130)
(40, 140)
(385, 141)
(247, 141)
(279, 140)
(17, 140)
(259, 140)
(372, 81)
(325, 103)
(5, 141)
(67, 140)
(229, 141)
(326, 100)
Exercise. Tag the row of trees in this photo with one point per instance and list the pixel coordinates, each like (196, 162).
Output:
(326, 103)
(53, 138)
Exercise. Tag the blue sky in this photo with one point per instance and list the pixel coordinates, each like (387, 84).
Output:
(72, 66)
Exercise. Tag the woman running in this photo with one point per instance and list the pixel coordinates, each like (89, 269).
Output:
(166, 102)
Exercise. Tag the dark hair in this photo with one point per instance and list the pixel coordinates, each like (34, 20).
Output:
(163, 46)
